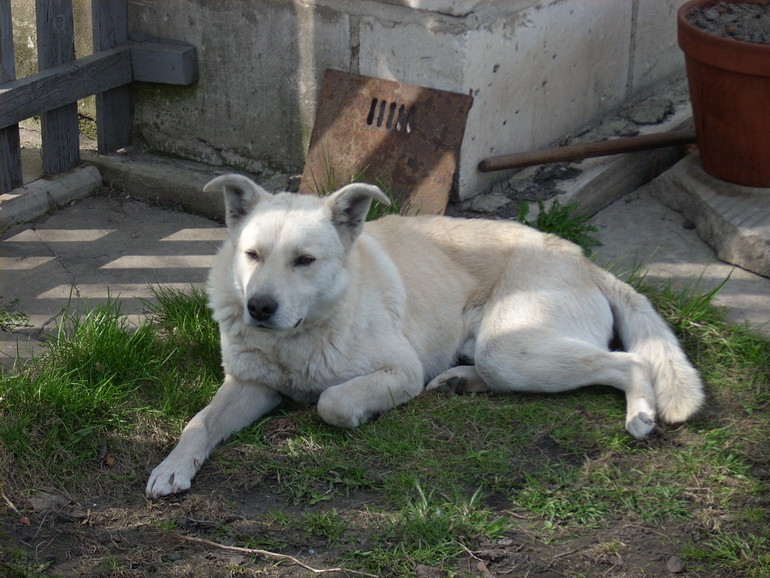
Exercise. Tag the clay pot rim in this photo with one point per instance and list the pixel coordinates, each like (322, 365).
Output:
(726, 53)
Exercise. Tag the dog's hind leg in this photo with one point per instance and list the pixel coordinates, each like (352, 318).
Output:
(540, 361)
(459, 380)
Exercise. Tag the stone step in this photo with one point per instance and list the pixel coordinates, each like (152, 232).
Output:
(733, 219)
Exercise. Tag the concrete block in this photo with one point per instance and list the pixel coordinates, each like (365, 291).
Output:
(733, 219)
(260, 65)
(654, 49)
(411, 52)
(42, 195)
(154, 178)
(537, 69)
(640, 234)
(540, 74)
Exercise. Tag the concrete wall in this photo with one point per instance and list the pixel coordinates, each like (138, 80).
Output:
(552, 67)
(537, 68)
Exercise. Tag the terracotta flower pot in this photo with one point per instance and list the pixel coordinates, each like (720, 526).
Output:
(729, 82)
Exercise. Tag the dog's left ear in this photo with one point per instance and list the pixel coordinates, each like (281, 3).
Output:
(241, 195)
(349, 207)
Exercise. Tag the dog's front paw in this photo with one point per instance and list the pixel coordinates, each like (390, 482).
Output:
(172, 476)
(342, 411)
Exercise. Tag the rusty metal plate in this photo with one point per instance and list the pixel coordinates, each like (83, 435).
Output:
(404, 136)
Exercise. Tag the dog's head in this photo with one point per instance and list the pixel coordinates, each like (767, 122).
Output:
(290, 250)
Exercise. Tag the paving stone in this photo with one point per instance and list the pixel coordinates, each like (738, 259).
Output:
(733, 219)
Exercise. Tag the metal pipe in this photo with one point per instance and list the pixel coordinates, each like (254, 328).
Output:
(587, 150)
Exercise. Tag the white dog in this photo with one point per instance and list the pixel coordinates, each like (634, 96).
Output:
(317, 306)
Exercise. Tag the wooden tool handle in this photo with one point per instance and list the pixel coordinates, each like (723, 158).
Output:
(586, 150)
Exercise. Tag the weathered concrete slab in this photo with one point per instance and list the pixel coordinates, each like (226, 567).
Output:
(42, 195)
(161, 179)
(733, 219)
(638, 230)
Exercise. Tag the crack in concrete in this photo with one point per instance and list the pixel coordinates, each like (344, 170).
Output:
(57, 257)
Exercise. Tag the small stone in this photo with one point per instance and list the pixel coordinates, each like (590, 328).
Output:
(675, 565)
(425, 571)
(489, 203)
(48, 501)
(556, 172)
(651, 111)
(618, 127)
(174, 556)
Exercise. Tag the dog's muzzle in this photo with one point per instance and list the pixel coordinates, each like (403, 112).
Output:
(263, 309)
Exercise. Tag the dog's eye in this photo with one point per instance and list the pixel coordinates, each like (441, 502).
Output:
(304, 260)
(252, 255)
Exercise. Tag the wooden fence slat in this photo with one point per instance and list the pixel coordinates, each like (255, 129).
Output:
(56, 45)
(113, 107)
(61, 81)
(63, 84)
(7, 62)
(11, 175)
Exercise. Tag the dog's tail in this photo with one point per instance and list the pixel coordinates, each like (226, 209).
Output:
(677, 385)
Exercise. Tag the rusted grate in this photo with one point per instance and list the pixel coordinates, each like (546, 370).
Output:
(402, 135)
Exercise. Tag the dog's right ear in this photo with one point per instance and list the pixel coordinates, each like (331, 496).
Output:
(241, 196)
(349, 207)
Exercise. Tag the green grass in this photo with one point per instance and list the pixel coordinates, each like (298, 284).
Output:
(17, 564)
(422, 484)
(435, 465)
(561, 220)
(330, 182)
(429, 529)
(742, 555)
(101, 376)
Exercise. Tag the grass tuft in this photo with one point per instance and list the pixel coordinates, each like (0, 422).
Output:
(101, 376)
(11, 318)
(331, 183)
(431, 529)
(561, 220)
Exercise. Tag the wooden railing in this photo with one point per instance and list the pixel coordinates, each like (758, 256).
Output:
(62, 80)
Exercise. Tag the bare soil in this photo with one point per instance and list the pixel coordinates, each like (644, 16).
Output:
(743, 21)
(119, 533)
(105, 526)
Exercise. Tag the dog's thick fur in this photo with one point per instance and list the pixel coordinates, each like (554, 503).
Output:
(314, 305)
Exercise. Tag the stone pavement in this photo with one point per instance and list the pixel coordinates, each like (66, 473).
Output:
(639, 229)
(109, 245)
(100, 247)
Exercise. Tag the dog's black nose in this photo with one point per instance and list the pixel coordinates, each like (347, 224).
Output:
(262, 308)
